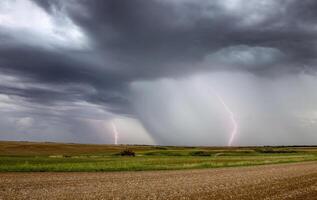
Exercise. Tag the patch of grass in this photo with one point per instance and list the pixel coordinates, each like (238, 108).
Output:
(167, 153)
(274, 150)
(161, 147)
(31, 164)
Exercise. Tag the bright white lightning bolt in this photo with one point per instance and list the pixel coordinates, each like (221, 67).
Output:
(232, 119)
(116, 133)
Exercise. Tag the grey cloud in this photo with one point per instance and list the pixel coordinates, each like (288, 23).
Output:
(246, 57)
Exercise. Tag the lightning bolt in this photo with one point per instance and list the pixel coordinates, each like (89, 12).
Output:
(232, 119)
(116, 133)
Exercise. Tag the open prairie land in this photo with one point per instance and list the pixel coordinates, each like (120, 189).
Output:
(55, 157)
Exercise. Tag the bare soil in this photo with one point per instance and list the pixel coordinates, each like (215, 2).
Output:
(283, 181)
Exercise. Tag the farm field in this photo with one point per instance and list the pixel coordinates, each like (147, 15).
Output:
(57, 157)
(281, 181)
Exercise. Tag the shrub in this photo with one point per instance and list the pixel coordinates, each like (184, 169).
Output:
(200, 153)
(127, 152)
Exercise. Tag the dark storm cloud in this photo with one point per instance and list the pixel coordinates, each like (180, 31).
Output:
(156, 38)
(149, 39)
(127, 41)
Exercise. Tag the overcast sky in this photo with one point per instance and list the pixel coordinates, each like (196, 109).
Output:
(168, 72)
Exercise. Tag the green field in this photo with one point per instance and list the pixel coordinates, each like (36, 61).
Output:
(28, 156)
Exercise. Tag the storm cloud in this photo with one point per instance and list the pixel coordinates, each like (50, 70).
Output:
(69, 68)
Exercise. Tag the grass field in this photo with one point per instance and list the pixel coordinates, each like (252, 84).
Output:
(29, 156)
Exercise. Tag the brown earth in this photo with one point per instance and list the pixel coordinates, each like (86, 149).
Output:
(284, 181)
